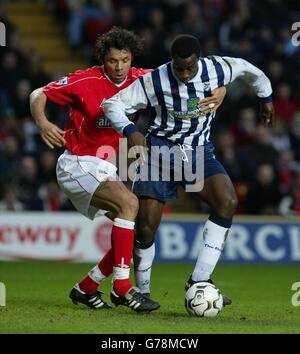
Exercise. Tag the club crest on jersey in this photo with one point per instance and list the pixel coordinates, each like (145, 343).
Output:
(192, 104)
(63, 81)
(103, 122)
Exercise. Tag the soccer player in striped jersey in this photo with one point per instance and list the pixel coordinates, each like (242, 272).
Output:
(170, 93)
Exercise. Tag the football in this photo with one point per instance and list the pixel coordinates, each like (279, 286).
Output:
(203, 300)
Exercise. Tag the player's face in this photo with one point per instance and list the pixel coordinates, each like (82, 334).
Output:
(117, 63)
(185, 68)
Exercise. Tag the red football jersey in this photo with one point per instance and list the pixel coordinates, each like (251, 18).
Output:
(87, 128)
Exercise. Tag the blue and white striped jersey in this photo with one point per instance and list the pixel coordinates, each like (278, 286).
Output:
(173, 104)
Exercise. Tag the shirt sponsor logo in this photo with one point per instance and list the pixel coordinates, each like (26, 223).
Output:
(192, 112)
(103, 122)
(63, 81)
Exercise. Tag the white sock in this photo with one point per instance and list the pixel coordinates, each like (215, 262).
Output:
(121, 273)
(96, 274)
(213, 242)
(143, 267)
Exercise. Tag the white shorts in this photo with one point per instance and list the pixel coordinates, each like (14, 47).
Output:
(80, 176)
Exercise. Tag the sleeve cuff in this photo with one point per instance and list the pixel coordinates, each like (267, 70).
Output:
(129, 129)
(266, 99)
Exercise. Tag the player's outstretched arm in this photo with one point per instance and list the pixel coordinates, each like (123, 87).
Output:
(262, 86)
(50, 133)
(240, 68)
(126, 102)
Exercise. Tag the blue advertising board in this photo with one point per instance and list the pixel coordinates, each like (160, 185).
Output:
(248, 242)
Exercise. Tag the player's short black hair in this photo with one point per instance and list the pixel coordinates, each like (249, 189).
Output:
(185, 45)
(118, 38)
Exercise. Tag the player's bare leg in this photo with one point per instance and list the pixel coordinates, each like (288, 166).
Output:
(113, 196)
(109, 196)
(147, 222)
(219, 193)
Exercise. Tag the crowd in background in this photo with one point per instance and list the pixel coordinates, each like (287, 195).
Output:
(264, 164)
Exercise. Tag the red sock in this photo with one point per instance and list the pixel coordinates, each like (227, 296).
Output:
(88, 285)
(106, 263)
(122, 237)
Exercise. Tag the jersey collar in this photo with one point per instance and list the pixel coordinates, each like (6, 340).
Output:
(118, 85)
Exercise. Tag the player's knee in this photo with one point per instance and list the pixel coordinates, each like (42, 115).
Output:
(227, 206)
(231, 204)
(129, 205)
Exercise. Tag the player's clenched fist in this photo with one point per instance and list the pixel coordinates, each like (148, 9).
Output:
(138, 145)
(267, 114)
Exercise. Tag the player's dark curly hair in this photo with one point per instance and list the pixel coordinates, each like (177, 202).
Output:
(118, 38)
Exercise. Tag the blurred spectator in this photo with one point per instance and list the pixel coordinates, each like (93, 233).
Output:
(5, 106)
(34, 71)
(245, 129)
(125, 17)
(263, 195)
(193, 21)
(28, 184)
(31, 133)
(152, 45)
(51, 196)
(285, 106)
(9, 159)
(265, 40)
(82, 11)
(260, 151)
(10, 72)
(9, 126)
(280, 139)
(10, 202)
(231, 31)
(290, 204)
(286, 167)
(294, 132)
(47, 166)
(231, 157)
(275, 72)
(20, 99)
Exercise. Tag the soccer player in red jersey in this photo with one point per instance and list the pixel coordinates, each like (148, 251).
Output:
(89, 180)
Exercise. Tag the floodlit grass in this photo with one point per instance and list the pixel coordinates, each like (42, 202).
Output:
(37, 301)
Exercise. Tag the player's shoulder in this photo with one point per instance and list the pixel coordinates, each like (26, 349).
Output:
(213, 59)
(90, 73)
(137, 72)
(213, 62)
(162, 69)
(221, 59)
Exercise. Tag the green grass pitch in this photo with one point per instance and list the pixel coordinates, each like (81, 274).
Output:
(37, 301)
